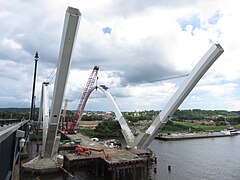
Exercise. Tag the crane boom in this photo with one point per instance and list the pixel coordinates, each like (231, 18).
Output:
(83, 99)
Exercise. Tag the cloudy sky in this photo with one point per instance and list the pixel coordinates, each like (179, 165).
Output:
(139, 46)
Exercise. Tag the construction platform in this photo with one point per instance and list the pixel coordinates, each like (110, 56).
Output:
(114, 160)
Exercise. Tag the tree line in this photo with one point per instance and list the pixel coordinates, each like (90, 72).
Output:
(219, 116)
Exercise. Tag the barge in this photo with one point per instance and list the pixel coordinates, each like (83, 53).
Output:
(183, 136)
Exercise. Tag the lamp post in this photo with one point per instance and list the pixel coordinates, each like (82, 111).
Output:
(34, 82)
(21, 143)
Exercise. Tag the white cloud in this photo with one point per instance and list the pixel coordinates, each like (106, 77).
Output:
(11, 44)
(146, 43)
(3, 13)
(213, 96)
(15, 91)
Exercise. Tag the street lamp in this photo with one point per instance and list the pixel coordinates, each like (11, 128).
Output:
(34, 81)
(19, 144)
(21, 134)
(22, 143)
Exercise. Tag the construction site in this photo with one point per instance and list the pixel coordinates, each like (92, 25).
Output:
(105, 157)
(63, 148)
(76, 151)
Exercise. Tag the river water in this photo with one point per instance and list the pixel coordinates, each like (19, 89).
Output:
(198, 159)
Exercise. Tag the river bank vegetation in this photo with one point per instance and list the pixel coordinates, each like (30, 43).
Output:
(195, 120)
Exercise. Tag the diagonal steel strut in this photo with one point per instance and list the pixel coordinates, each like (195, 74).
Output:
(144, 139)
(126, 131)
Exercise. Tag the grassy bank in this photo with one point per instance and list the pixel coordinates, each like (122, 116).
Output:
(112, 128)
(104, 129)
(190, 126)
(36, 136)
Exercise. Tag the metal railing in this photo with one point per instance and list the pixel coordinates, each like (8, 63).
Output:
(11, 137)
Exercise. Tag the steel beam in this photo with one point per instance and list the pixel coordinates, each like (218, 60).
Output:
(126, 131)
(70, 28)
(143, 140)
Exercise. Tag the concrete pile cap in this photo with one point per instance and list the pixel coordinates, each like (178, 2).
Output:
(41, 165)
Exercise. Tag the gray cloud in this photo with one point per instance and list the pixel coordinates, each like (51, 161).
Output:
(146, 62)
(135, 6)
(37, 30)
(32, 25)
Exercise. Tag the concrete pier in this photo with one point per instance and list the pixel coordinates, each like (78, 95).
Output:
(44, 165)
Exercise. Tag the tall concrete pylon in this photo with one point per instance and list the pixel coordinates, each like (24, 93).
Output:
(69, 33)
(48, 161)
(43, 119)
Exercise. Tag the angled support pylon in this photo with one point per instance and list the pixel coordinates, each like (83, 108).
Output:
(70, 28)
(144, 139)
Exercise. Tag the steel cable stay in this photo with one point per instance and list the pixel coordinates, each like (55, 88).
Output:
(159, 80)
(52, 75)
(152, 81)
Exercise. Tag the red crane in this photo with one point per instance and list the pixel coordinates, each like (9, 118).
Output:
(83, 100)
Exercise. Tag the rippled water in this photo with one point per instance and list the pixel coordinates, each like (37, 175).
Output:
(208, 159)
(199, 159)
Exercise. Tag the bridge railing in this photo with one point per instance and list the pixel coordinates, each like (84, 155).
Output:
(10, 146)
(9, 121)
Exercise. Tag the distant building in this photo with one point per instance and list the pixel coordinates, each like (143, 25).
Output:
(136, 114)
(208, 123)
(88, 124)
(108, 115)
(139, 113)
